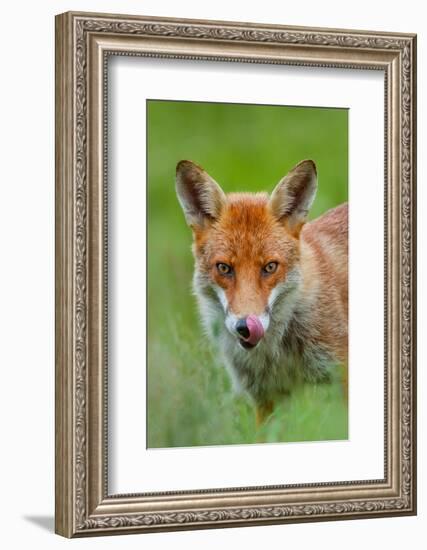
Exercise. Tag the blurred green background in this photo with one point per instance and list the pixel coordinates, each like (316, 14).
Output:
(244, 148)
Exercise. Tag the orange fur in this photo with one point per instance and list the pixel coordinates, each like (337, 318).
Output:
(302, 304)
(246, 236)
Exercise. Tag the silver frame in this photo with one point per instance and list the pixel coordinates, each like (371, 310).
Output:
(83, 43)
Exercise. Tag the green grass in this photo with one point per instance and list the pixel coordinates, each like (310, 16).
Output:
(245, 148)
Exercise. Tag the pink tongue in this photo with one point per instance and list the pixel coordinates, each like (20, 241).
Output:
(256, 330)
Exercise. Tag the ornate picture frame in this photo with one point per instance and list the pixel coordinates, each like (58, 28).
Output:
(84, 42)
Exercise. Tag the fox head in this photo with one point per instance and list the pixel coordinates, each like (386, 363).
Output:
(247, 246)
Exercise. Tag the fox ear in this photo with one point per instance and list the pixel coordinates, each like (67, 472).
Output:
(294, 194)
(200, 196)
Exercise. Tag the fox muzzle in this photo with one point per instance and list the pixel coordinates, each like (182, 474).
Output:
(250, 330)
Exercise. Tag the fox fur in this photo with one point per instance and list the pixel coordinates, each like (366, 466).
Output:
(290, 274)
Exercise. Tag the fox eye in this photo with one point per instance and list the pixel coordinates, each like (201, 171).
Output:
(270, 267)
(224, 269)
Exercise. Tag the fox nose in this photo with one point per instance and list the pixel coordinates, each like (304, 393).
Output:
(250, 330)
(242, 328)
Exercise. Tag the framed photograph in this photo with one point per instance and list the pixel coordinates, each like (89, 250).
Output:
(235, 274)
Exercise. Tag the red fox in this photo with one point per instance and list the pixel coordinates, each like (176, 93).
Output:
(271, 288)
